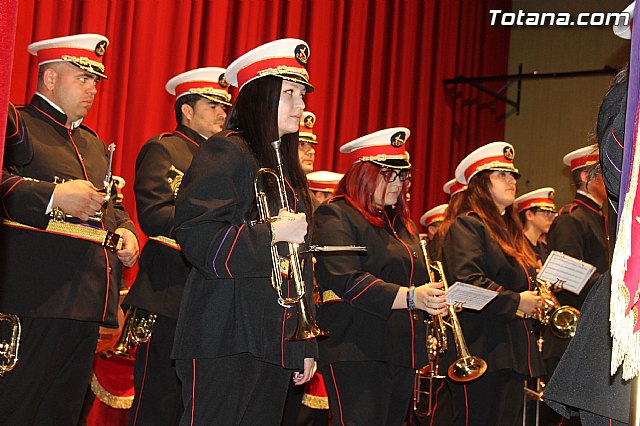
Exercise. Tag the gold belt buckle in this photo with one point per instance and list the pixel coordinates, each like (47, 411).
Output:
(112, 242)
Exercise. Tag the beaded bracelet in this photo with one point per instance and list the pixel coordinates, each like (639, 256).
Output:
(411, 305)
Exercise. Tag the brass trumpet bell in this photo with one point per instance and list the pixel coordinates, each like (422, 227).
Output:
(562, 320)
(467, 368)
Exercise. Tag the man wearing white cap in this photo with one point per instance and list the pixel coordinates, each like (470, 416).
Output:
(579, 231)
(201, 98)
(307, 141)
(599, 398)
(62, 265)
(236, 346)
(323, 184)
(537, 212)
(432, 219)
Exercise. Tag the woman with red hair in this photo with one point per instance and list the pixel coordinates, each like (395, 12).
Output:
(373, 303)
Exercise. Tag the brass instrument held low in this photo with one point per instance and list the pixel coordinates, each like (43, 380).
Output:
(562, 320)
(9, 349)
(137, 329)
(290, 265)
(467, 367)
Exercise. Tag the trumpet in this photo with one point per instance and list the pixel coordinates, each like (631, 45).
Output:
(437, 344)
(137, 329)
(290, 267)
(466, 367)
(562, 320)
(9, 349)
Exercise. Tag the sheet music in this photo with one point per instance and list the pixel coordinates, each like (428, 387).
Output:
(469, 296)
(572, 274)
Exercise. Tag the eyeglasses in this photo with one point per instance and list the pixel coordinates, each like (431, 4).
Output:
(547, 213)
(390, 175)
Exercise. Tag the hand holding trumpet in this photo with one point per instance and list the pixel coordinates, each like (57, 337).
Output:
(430, 298)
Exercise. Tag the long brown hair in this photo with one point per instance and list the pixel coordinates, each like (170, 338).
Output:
(358, 186)
(504, 229)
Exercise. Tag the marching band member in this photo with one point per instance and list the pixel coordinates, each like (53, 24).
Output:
(307, 141)
(537, 211)
(61, 277)
(323, 184)
(598, 398)
(432, 219)
(454, 190)
(485, 246)
(232, 347)
(372, 302)
(201, 98)
(579, 231)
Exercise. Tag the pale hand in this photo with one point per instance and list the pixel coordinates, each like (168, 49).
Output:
(530, 302)
(130, 250)
(289, 227)
(430, 298)
(78, 198)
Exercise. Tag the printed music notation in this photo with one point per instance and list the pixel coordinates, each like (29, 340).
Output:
(572, 274)
(469, 296)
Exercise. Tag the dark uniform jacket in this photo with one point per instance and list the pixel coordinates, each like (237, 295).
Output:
(579, 231)
(162, 269)
(494, 334)
(362, 325)
(43, 274)
(229, 305)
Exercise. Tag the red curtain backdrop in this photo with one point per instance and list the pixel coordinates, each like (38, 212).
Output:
(375, 64)
(8, 14)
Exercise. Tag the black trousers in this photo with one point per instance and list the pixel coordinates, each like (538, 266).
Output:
(48, 385)
(234, 390)
(368, 393)
(496, 398)
(158, 398)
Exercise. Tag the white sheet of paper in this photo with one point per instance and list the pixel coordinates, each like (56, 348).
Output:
(567, 271)
(469, 296)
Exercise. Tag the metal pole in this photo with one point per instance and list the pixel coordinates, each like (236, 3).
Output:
(634, 407)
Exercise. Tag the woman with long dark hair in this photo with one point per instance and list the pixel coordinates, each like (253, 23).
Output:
(232, 348)
(485, 246)
(373, 303)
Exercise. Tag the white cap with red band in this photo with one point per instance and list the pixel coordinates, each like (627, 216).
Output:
(583, 157)
(434, 215)
(540, 198)
(624, 28)
(307, 121)
(493, 156)
(453, 187)
(285, 58)
(207, 82)
(323, 181)
(384, 148)
(82, 50)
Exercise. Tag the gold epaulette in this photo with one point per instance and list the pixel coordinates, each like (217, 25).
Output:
(166, 241)
(329, 295)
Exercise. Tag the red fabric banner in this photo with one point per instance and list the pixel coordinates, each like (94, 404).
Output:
(375, 64)
(8, 15)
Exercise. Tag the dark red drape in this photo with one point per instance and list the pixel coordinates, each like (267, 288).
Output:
(375, 64)
(8, 14)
